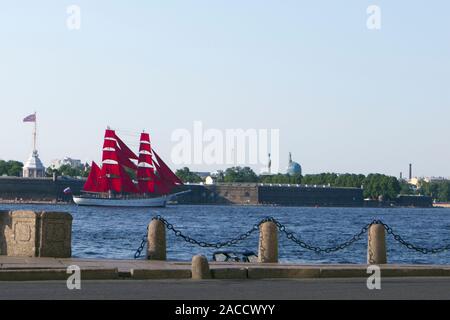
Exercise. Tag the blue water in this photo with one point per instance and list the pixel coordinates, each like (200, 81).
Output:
(116, 233)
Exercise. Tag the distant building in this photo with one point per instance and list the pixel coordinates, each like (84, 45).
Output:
(34, 168)
(209, 180)
(414, 181)
(203, 175)
(74, 163)
(293, 168)
(435, 179)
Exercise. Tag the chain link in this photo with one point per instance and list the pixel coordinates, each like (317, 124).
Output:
(292, 237)
(203, 244)
(411, 246)
(138, 253)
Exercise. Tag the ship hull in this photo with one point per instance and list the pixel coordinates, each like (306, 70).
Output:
(159, 202)
(156, 202)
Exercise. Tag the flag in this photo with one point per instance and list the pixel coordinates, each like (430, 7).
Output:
(30, 118)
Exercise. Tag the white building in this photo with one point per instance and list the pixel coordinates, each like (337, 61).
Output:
(434, 179)
(34, 168)
(58, 163)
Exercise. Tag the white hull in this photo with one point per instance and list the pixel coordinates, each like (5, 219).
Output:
(139, 203)
(105, 202)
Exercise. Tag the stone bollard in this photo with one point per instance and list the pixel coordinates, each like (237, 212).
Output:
(156, 241)
(55, 235)
(268, 243)
(35, 234)
(200, 268)
(376, 248)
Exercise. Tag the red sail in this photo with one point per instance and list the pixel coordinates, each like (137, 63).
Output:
(117, 157)
(125, 150)
(146, 173)
(166, 174)
(124, 161)
(166, 179)
(147, 185)
(161, 186)
(110, 163)
(110, 134)
(122, 154)
(109, 182)
(91, 184)
(113, 177)
(127, 183)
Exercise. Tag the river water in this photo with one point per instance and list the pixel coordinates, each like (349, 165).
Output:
(115, 233)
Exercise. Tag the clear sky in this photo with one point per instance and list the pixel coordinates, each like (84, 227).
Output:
(345, 98)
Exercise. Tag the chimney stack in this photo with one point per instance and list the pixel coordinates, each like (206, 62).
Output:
(410, 171)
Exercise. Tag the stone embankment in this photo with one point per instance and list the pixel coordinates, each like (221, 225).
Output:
(40, 269)
(36, 246)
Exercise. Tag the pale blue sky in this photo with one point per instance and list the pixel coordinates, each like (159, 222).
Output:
(345, 98)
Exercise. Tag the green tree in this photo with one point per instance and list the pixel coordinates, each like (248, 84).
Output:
(349, 180)
(11, 168)
(444, 191)
(376, 185)
(439, 191)
(240, 174)
(320, 179)
(220, 176)
(406, 188)
(69, 171)
(188, 176)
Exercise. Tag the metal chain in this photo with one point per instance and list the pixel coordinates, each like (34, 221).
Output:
(138, 253)
(304, 245)
(291, 236)
(203, 244)
(411, 246)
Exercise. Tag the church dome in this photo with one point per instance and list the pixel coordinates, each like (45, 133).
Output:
(294, 168)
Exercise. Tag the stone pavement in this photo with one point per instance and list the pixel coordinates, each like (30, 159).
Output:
(35, 269)
(223, 290)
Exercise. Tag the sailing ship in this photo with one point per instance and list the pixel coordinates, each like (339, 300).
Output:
(129, 180)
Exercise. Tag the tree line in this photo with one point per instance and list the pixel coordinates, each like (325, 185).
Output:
(69, 171)
(375, 186)
(438, 190)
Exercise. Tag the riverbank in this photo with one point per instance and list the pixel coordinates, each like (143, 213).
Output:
(31, 202)
(365, 205)
(48, 190)
(441, 205)
(39, 269)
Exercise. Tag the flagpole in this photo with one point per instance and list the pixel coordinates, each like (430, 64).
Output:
(35, 132)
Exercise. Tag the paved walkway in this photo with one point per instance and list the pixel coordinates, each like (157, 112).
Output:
(22, 269)
(308, 289)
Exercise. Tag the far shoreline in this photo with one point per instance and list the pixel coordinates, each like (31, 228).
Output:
(441, 205)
